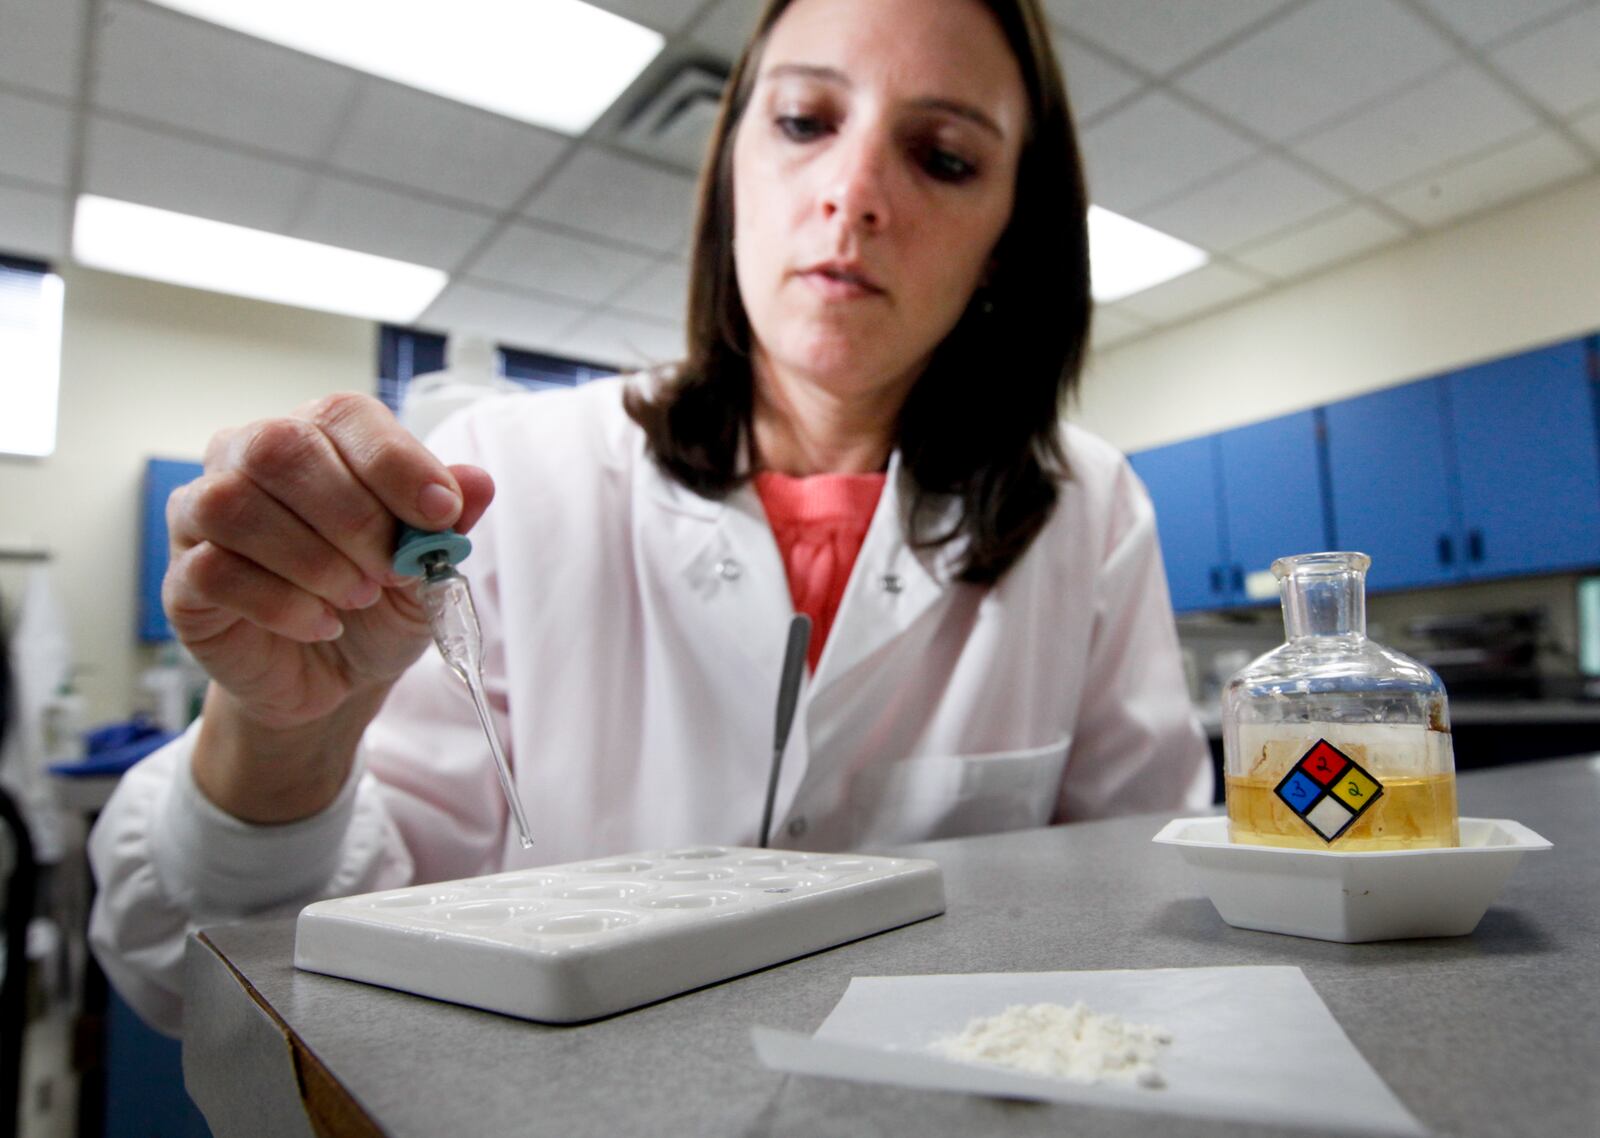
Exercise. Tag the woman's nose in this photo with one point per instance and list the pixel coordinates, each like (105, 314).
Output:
(857, 192)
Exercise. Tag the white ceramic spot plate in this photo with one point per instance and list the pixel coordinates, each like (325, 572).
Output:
(575, 942)
(1350, 897)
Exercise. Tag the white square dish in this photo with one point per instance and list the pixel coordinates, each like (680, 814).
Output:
(1352, 897)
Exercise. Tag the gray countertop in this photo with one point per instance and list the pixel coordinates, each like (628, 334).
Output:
(1491, 1034)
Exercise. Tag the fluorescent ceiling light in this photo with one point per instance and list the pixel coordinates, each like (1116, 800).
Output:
(30, 360)
(1126, 257)
(155, 243)
(554, 63)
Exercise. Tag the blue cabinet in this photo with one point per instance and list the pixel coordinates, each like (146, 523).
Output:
(1528, 460)
(145, 1097)
(1228, 505)
(1182, 480)
(1274, 499)
(1487, 472)
(1393, 493)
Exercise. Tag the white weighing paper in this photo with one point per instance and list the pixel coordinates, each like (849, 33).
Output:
(1248, 1044)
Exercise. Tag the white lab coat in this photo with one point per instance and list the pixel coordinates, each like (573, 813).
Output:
(634, 637)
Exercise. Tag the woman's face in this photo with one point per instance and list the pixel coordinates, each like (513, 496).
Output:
(873, 173)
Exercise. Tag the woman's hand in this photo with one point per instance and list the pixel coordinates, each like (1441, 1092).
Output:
(279, 582)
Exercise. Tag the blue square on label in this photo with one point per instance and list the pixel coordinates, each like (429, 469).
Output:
(1299, 792)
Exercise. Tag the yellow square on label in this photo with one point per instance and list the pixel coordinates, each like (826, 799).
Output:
(1356, 789)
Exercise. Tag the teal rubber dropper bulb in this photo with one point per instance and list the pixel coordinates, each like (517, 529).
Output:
(453, 619)
(418, 549)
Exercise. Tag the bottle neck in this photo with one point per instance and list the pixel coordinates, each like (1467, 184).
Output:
(1325, 604)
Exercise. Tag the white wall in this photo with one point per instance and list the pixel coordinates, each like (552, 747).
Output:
(1514, 279)
(150, 370)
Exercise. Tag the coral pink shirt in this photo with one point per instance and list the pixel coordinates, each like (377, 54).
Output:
(820, 522)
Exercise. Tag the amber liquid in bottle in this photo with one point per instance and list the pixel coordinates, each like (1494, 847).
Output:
(1414, 813)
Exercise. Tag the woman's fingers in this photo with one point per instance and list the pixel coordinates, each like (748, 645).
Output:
(477, 491)
(229, 510)
(406, 478)
(292, 462)
(287, 534)
(294, 519)
(347, 469)
(208, 589)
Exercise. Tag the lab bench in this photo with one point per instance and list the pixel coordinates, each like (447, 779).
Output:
(1488, 1034)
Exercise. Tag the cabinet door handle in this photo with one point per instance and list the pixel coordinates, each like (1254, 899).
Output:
(1238, 579)
(1447, 553)
(1216, 579)
(1475, 545)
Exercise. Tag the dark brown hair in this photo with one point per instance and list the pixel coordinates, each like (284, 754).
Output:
(982, 423)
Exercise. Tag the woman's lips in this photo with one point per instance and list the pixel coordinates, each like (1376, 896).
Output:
(841, 282)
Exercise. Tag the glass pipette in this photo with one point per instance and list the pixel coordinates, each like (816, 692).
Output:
(447, 598)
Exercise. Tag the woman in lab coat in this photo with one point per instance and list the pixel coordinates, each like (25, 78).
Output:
(889, 303)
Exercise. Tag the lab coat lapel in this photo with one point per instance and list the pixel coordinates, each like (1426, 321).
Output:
(724, 554)
(890, 587)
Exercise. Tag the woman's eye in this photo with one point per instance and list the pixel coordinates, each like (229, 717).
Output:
(801, 128)
(945, 165)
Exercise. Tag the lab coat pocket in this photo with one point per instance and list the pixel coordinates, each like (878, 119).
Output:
(950, 796)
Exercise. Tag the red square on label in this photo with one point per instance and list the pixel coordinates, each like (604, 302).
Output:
(1323, 762)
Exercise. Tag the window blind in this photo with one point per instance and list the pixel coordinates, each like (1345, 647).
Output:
(404, 353)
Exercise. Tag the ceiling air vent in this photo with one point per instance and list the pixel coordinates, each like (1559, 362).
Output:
(674, 123)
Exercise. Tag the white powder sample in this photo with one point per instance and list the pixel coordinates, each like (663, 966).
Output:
(1062, 1043)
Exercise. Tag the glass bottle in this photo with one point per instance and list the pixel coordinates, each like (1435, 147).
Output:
(1331, 741)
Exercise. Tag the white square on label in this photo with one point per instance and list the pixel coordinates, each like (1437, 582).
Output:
(1329, 817)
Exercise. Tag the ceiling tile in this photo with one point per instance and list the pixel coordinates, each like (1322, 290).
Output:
(1482, 21)
(1093, 81)
(33, 223)
(663, 292)
(514, 320)
(39, 44)
(1316, 64)
(1490, 180)
(183, 72)
(1559, 63)
(619, 199)
(388, 224)
(1457, 113)
(1152, 149)
(624, 342)
(1158, 38)
(35, 140)
(1262, 197)
(158, 169)
(420, 140)
(568, 267)
(1111, 326)
(1342, 235)
(663, 15)
(727, 26)
(1206, 288)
